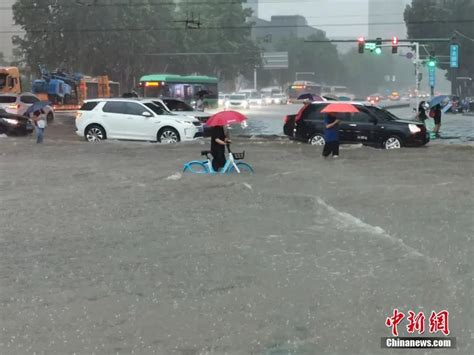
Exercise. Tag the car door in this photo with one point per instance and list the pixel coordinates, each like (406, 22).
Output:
(345, 127)
(362, 126)
(114, 117)
(140, 122)
(310, 122)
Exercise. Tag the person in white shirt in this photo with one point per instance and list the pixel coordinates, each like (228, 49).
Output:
(40, 124)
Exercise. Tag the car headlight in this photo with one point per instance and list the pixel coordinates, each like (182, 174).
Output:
(11, 121)
(414, 128)
(189, 123)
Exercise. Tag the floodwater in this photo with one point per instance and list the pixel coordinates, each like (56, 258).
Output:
(455, 128)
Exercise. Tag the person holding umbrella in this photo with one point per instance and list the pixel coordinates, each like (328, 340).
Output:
(436, 114)
(219, 140)
(331, 126)
(220, 135)
(331, 136)
(40, 124)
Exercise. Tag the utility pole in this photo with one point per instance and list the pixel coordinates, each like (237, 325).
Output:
(255, 78)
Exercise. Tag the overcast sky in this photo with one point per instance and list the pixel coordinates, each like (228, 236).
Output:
(339, 16)
(322, 12)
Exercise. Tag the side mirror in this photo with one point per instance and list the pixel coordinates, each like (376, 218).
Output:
(146, 114)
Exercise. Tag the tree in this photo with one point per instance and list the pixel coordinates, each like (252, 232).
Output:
(427, 19)
(92, 36)
(3, 62)
(222, 30)
(320, 58)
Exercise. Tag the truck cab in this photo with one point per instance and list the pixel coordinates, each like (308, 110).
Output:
(10, 80)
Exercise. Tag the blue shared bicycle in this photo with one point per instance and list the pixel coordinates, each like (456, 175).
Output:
(232, 165)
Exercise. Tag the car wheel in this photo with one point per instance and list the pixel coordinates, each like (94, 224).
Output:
(95, 133)
(317, 139)
(49, 117)
(392, 142)
(168, 135)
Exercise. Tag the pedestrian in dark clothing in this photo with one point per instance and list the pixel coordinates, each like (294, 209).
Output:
(422, 111)
(331, 136)
(219, 141)
(437, 119)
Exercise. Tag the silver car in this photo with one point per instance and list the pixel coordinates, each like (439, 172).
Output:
(18, 104)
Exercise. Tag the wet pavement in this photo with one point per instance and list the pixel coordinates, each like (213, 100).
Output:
(109, 249)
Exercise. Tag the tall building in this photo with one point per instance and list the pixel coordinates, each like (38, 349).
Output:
(6, 28)
(270, 32)
(386, 18)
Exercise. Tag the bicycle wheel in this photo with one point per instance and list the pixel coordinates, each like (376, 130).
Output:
(243, 167)
(196, 167)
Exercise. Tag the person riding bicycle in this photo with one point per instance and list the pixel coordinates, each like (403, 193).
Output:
(219, 140)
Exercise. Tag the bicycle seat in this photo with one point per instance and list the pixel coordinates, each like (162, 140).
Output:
(205, 152)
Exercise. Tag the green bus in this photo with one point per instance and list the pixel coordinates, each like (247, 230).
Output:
(185, 88)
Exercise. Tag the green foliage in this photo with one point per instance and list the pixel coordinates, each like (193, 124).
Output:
(443, 20)
(106, 36)
(320, 58)
(3, 62)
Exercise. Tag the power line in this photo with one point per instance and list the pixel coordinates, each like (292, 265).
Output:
(245, 27)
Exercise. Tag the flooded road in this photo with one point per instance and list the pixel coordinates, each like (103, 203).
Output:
(268, 120)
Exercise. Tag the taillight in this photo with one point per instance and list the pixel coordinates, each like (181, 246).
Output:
(14, 107)
(286, 119)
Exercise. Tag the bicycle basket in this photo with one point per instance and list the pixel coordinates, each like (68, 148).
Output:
(239, 156)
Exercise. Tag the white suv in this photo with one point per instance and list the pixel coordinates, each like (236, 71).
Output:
(135, 120)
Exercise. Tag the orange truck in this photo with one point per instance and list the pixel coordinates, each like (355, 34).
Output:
(10, 80)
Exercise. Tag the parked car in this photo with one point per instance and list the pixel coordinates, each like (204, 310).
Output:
(222, 99)
(18, 104)
(372, 125)
(179, 107)
(135, 120)
(255, 99)
(279, 99)
(237, 101)
(11, 124)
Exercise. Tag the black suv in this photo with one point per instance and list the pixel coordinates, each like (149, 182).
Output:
(371, 126)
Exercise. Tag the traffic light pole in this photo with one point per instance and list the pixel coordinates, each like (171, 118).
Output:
(417, 63)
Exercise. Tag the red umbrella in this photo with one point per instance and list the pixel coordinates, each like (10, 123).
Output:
(225, 118)
(340, 107)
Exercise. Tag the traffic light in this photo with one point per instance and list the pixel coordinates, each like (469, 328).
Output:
(378, 46)
(432, 59)
(361, 41)
(394, 45)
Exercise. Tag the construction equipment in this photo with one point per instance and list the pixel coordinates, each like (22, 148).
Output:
(68, 91)
(10, 80)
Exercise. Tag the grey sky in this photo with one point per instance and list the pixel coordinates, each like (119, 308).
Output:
(333, 13)
(322, 12)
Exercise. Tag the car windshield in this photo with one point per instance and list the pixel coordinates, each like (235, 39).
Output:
(177, 105)
(381, 113)
(237, 97)
(155, 108)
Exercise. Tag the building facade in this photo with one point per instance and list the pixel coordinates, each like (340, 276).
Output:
(6, 28)
(271, 32)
